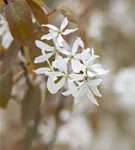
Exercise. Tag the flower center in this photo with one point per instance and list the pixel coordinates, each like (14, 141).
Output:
(88, 68)
(51, 69)
(66, 75)
(59, 32)
(71, 57)
(86, 78)
(56, 51)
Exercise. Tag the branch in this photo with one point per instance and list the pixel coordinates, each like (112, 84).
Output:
(24, 68)
(51, 12)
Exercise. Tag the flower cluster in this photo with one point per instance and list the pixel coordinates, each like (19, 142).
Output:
(73, 67)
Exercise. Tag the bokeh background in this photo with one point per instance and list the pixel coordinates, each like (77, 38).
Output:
(109, 27)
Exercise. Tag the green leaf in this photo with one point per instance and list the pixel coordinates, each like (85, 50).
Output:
(67, 13)
(5, 88)
(38, 12)
(30, 104)
(19, 19)
(9, 56)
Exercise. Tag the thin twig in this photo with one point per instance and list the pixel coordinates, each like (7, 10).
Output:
(24, 68)
(51, 12)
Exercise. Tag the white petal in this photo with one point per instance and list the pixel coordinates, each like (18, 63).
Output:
(54, 74)
(60, 49)
(90, 74)
(49, 36)
(61, 64)
(82, 91)
(78, 42)
(68, 31)
(60, 40)
(60, 83)
(93, 85)
(64, 51)
(90, 61)
(85, 55)
(72, 88)
(48, 55)
(40, 59)
(66, 45)
(51, 26)
(92, 98)
(66, 93)
(99, 70)
(44, 46)
(76, 77)
(41, 70)
(95, 82)
(76, 65)
(96, 91)
(52, 87)
(75, 45)
(64, 24)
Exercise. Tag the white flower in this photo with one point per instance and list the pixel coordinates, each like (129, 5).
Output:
(92, 69)
(57, 79)
(61, 75)
(89, 88)
(48, 51)
(57, 33)
(73, 67)
(73, 55)
(87, 55)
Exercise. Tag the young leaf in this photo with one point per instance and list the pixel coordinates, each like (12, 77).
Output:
(38, 12)
(31, 103)
(67, 13)
(5, 88)
(19, 19)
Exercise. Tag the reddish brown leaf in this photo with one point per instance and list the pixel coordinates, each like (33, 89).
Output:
(19, 19)
(9, 56)
(5, 88)
(67, 13)
(38, 12)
